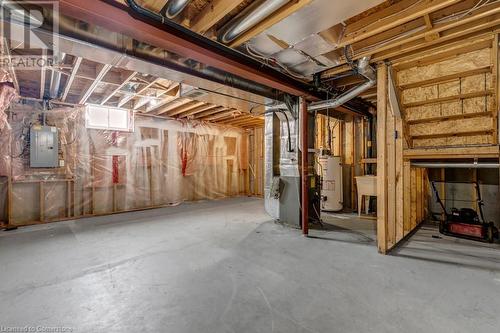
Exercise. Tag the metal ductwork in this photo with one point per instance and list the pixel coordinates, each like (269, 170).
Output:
(55, 80)
(250, 17)
(174, 8)
(363, 68)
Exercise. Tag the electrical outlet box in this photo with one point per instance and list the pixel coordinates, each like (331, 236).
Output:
(44, 147)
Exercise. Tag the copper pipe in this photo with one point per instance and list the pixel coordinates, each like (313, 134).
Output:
(304, 168)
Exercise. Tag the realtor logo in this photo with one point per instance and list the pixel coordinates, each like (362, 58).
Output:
(29, 31)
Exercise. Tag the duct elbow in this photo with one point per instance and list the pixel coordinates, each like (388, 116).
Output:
(175, 7)
(250, 17)
(366, 70)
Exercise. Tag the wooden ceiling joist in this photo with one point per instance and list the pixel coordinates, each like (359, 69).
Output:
(222, 115)
(173, 105)
(43, 73)
(446, 78)
(71, 78)
(204, 109)
(130, 96)
(102, 70)
(432, 54)
(212, 13)
(184, 108)
(401, 17)
(114, 91)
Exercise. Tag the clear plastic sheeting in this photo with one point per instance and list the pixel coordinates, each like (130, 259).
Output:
(7, 94)
(161, 162)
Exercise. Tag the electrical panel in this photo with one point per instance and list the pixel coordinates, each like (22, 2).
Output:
(44, 148)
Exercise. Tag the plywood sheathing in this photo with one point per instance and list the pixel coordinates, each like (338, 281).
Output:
(450, 102)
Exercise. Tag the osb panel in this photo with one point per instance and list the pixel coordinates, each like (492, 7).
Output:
(464, 62)
(476, 83)
(452, 126)
(469, 84)
(477, 104)
(451, 88)
(419, 94)
(423, 112)
(451, 141)
(466, 106)
(451, 108)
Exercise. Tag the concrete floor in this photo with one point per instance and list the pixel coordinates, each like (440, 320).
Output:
(224, 267)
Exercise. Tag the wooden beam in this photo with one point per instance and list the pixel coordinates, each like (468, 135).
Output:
(448, 32)
(203, 111)
(127, 98)
(395, 102)
(208, 108)
(230, 112)
(430, 36)
(172, 92)
(212, 13)
(43, 72)
(494, 84)
(406, 15)
(488, 151)
(449, 49)
(449, 98)
(185, 108)
(102, 71)
(379, 15)
(173, 105)
(450, 117)
(446, 78)
(268, 22)
(112, 93)
(382, 203)
(76, 65)
(454, 134)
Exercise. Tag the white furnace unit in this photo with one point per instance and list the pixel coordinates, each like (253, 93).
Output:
(331, 189)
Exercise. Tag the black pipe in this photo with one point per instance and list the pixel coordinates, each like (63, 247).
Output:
(190, 67)
(165, 24)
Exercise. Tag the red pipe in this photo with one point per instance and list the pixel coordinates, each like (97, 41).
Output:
(304, 168)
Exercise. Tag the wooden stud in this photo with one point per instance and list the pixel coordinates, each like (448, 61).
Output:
(399, 204)
(382, 204)
(407, 197)
(496, 87)
(71, 78)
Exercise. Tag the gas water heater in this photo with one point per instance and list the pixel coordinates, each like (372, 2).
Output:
(331, 185)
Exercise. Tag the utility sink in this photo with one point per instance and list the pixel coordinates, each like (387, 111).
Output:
(367, 186)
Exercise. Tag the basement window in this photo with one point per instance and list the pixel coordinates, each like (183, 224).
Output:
(106, 118)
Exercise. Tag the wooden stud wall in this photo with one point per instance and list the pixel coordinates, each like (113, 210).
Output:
(401, 189)
(452, 101)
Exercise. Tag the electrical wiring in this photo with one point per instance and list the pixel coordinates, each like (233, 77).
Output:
(460, 15)
(451, 17)
(389, 16)
(273, 63)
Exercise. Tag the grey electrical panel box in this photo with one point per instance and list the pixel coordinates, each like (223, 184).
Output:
(44, 148)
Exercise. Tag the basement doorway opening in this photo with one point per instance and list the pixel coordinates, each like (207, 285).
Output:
(346, 172)
(462, 217)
